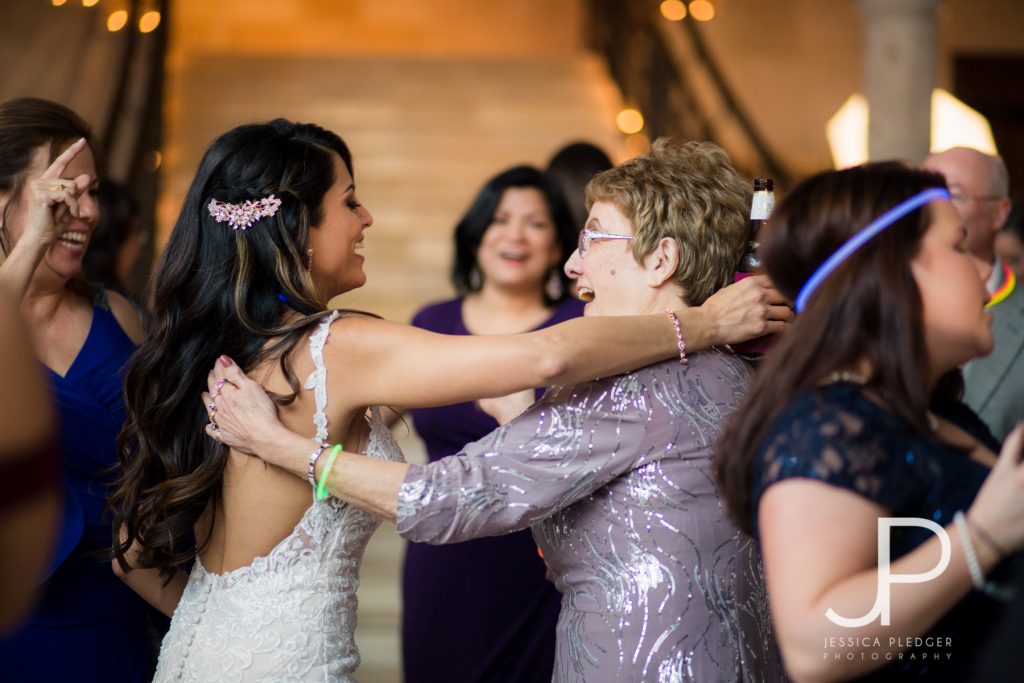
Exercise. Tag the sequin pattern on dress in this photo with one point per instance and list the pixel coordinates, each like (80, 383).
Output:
(614, 478)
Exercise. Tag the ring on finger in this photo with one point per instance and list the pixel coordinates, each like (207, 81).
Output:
(57, 187)
(217, 386)
(212, 405)
(215, 432)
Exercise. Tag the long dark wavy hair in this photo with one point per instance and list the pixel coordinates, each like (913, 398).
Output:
(868, 308)
(217, 291)
(469, 231)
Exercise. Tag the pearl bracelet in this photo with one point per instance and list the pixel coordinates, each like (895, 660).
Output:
(977, 577)
(974, 567)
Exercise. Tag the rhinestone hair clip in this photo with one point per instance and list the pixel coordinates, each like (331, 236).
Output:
(244, 214)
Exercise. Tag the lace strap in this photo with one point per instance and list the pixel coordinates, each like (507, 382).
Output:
(377, 417)
(317, 380)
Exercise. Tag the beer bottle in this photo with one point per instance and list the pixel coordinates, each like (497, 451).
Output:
(760, 208)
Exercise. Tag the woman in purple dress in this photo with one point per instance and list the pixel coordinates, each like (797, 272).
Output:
(482, 610)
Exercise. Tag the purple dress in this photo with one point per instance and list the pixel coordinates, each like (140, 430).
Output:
(479, 610)
(614, 477)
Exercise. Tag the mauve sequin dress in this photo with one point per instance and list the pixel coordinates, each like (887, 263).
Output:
(614, 477)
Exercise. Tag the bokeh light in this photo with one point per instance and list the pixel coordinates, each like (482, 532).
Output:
(702, 10)
(630, 121)
(673, 10)
(149, 21)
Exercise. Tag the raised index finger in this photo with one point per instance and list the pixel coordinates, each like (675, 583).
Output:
(56, 169)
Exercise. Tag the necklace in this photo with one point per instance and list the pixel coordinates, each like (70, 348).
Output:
(845, 376)
(858, 378)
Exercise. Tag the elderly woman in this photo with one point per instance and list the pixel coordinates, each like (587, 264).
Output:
(613, 475)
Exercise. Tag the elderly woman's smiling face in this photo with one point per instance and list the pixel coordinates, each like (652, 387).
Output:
(610, 280)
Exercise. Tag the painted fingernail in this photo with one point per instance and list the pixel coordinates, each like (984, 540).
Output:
(225, 361)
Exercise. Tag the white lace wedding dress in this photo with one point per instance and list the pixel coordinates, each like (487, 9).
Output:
(290, 615)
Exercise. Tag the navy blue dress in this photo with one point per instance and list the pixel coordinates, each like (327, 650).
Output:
(836, 435)
(88, 625)
(479, 610)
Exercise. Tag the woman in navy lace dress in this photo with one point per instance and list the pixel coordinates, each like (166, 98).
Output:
(851, 421)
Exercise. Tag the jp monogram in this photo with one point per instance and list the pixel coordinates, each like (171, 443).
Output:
(886, 578)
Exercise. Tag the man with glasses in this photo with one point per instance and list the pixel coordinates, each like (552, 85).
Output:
(979, 189)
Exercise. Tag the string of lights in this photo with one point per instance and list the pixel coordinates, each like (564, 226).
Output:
(119, 14)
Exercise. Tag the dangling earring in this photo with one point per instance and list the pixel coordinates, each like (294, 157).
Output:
(475, 279)
(554, 287)
(309, 259)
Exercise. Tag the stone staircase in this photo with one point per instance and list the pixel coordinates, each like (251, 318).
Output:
(425, 133)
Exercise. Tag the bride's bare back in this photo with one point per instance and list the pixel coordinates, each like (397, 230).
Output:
(272, 596)
(261, 504)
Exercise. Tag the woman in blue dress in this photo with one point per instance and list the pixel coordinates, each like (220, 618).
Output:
(87, 626)
(853, 421)
(30, 491)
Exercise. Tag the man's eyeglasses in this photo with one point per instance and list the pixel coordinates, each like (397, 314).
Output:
(587, 236)
(957, 197)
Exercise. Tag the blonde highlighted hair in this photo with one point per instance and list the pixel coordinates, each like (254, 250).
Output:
(689, 192)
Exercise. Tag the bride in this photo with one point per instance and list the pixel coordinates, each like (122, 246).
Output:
(270, 231)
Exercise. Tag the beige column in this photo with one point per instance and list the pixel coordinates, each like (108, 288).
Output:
(899, 74)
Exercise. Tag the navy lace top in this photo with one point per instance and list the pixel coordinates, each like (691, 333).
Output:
(836, 435)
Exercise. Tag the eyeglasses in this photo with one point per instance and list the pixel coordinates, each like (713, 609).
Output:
(587, 236)
(955, 197)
